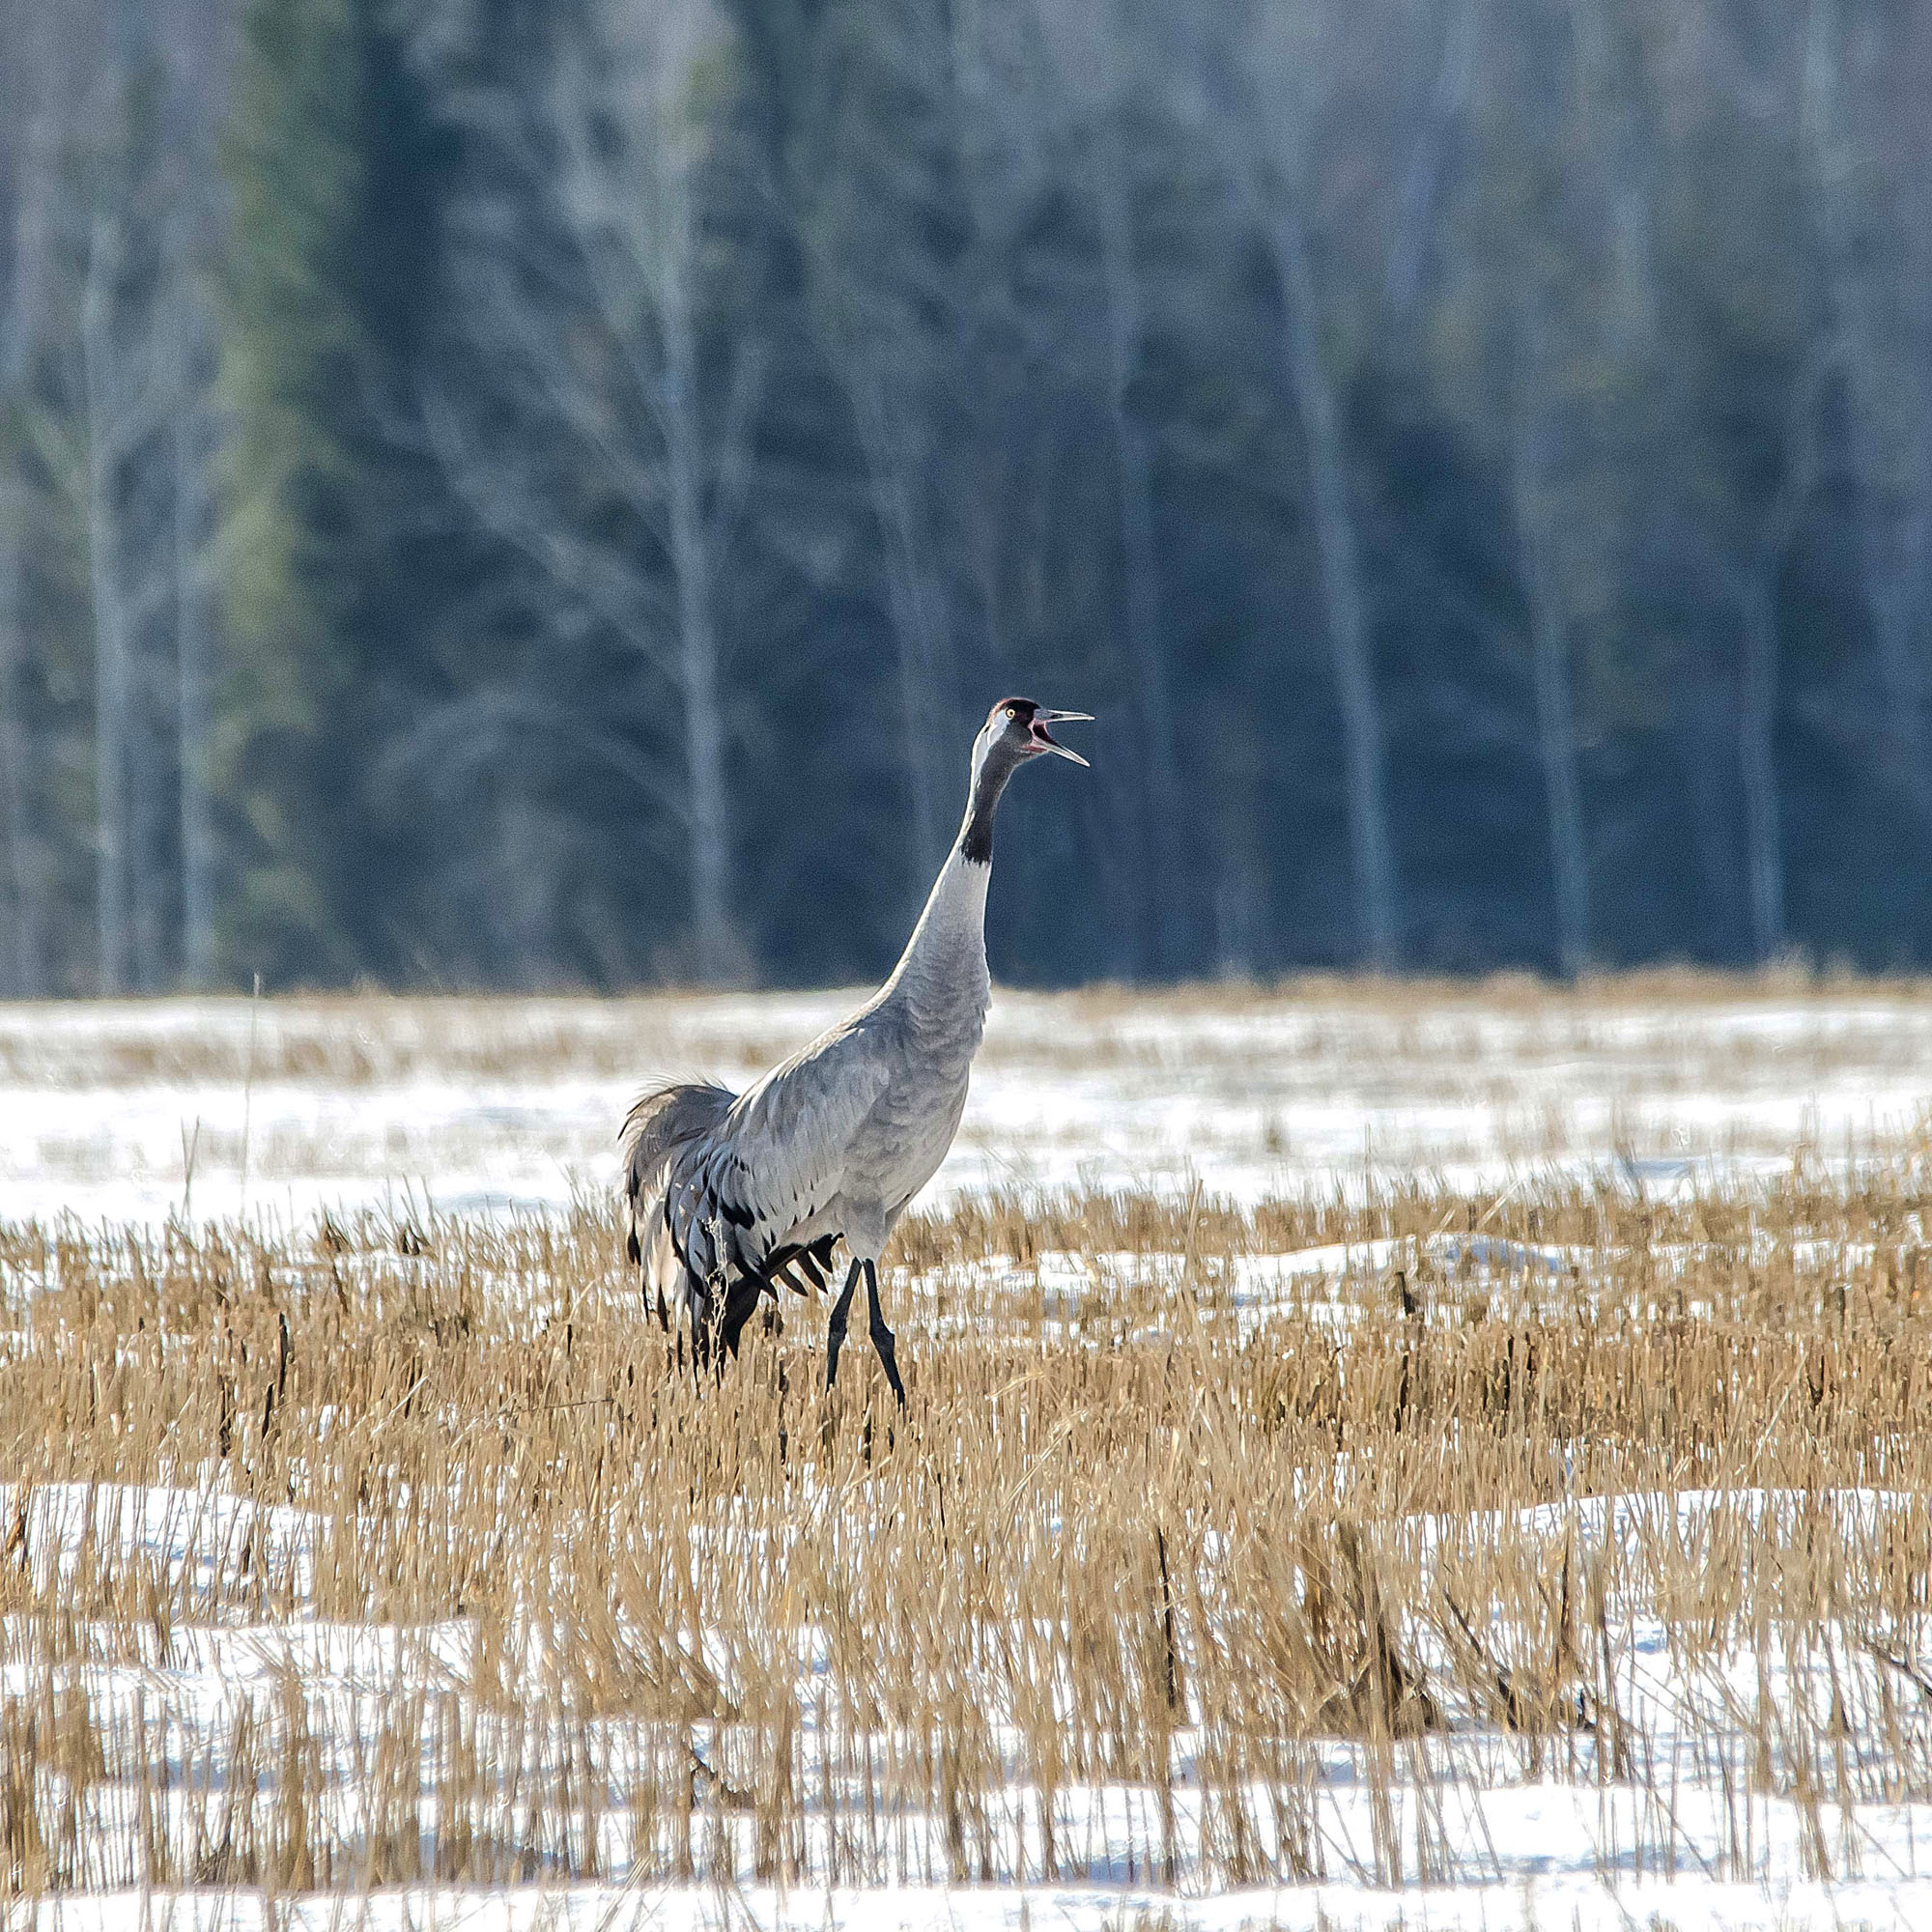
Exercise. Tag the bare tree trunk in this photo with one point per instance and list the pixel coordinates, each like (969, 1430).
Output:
(526, 911)
(1163, 915)
(22, 968)
(1893, 570)
(192, 113)
(697, 635)
(1886, 406)
(111, 644)
(193, 659)
(1614, 144)
(150, 803)
(19, 959)
(1704, 715)
(1759, 683)
(1892, 553)
(916, 625)
(623, 144)
(1429, 161)
(1555, 715)
(1342, 599)
(1757, 765)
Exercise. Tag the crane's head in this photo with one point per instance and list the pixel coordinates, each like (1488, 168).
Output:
(1015, 730)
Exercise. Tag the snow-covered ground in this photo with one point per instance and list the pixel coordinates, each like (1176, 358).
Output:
(137, 1111)
(134, 1110)
(1712, 1829)
(1642, 1905)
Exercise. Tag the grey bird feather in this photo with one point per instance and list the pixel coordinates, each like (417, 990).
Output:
(728, 1197)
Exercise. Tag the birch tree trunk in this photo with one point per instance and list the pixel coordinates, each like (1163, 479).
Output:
(196, 102)
(193, 654)
(1094, 81)
(1422, 189)
(1764, 845)
(705, 726)
(605, 358)
(1342, 597)
(145, 558)
(19, 945)
(917, 626)
(1758, 691)
(22, 965)
(691, 555)
(1163, 917)
(1550, 652)
(21, 960)
(112, 668)
(1613, 146)
(1891, 406)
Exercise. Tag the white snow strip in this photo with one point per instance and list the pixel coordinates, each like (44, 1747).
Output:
(1685, 1902)
(199, 1535)
(505, 1106)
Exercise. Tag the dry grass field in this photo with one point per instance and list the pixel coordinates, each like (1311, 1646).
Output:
(1555, 1553)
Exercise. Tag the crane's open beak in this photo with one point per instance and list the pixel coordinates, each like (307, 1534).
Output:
(1047, 741)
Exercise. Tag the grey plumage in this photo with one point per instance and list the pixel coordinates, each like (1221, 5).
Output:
(727, 1198)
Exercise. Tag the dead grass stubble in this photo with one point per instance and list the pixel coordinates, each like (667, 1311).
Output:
(1136, 1540)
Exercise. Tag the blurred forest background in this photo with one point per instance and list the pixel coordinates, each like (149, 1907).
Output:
(541, 492)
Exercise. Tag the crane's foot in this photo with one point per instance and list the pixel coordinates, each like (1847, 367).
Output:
(834, 1336)
(882, 1341)
(882, 1336)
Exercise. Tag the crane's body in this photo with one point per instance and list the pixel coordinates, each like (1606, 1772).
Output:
(728, 1197)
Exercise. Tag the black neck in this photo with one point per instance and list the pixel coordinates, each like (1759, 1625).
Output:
(976, 834)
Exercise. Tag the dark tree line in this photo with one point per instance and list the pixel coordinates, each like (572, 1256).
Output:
(515, 493)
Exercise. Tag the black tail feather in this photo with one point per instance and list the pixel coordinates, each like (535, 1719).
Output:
(663, 1122)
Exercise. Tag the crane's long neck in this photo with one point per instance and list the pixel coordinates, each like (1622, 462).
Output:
(942, 973)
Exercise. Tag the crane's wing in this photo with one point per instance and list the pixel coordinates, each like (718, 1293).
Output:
(735, 1196)
(662, 1123)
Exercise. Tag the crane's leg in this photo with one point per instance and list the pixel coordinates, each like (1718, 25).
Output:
(882, 1336)
(739, 1306)
(835, 1338)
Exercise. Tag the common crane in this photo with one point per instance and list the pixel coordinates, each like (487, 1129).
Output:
(728, 1196)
